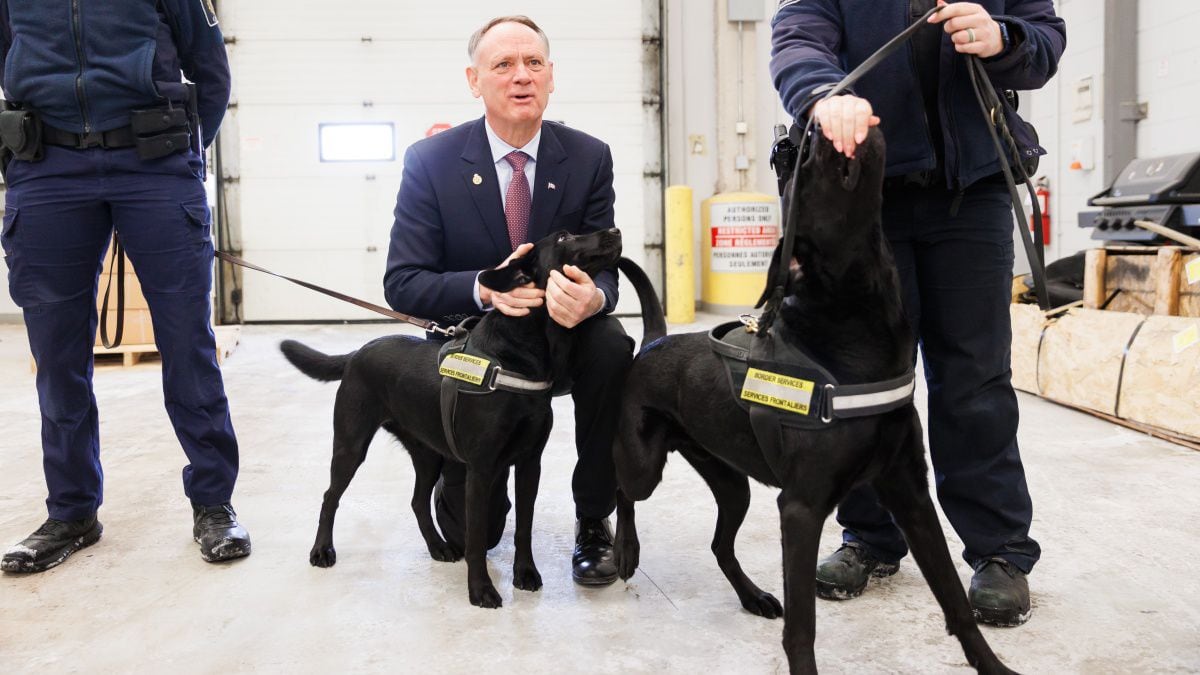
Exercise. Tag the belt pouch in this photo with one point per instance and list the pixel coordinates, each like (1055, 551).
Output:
(21, 133)
(158, 132)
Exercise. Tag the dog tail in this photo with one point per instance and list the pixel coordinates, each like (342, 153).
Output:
(313, 363)
(654, 324)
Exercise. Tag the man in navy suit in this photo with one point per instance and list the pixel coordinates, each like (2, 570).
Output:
(473, 198)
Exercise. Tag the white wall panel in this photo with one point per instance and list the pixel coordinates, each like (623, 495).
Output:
(297, 66)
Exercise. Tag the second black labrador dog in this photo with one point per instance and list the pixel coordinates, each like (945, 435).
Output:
(843, 307)
(393, 382)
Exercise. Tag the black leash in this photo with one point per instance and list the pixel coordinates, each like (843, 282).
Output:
(992, 110)
(119, 262)
(426, 324)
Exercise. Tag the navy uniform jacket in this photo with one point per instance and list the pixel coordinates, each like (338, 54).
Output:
(84, 65)
(450, 219)
(816, 42)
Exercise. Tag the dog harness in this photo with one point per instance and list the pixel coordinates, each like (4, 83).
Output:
(466, 370)
(778, 384)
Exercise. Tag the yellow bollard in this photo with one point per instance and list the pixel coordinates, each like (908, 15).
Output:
(680, 264)
(739, 231)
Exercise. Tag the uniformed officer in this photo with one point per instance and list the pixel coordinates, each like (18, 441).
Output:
(102, 133)
(948, 220)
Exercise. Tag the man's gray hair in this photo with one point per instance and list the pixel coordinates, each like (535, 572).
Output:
(473, 44)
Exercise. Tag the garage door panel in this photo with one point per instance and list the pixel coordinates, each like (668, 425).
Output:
(348, 272)
(321, 213)
(384, 20)
(275, 73)
(297, 66)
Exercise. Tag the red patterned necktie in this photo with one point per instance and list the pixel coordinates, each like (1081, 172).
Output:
(517, 200)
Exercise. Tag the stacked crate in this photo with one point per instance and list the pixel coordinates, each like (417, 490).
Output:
(1131, 353)
(138, 333)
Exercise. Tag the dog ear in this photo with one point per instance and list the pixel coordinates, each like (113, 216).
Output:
(518, 272)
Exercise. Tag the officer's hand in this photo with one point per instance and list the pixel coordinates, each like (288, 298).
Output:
(971, 28)
(515, 302)
(845, 120)
(572, 296)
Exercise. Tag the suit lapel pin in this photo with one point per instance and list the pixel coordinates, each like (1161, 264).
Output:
(550, 186)
(476, 179)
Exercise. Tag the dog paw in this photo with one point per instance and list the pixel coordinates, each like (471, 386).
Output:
(322, 556)
(445, 552)
(526, 578)
(764, 604)
(487, 597)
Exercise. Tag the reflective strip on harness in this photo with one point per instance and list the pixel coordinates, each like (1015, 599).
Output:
(845, 403)
(464, 367)
(506, 381)
(777, 391)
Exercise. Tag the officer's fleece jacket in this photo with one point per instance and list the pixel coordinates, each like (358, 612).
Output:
(85, 64)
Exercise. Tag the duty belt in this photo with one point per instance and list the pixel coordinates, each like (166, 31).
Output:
(469, 371)
(114, 138)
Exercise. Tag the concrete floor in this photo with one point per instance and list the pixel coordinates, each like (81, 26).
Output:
(1117, 590)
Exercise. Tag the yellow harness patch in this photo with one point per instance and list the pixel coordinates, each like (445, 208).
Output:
(778, 391)
(464, 367)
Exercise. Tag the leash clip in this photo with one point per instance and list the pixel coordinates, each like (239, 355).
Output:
(750, 322)
(450, 332)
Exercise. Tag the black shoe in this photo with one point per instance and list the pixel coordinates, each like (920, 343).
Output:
(592, 562)
(449, 503)
(217, 531)
(51, 544)
(844, 574)
(999, 593)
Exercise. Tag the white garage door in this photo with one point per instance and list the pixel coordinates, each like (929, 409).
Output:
(297, 66)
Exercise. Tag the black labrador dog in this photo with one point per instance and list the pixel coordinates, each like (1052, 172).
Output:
(843, 304)
(393, 382)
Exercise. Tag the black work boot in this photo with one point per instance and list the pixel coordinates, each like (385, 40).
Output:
(217, 531)
(844, 574)
(592, 563)
(999, 593)
(51, 544)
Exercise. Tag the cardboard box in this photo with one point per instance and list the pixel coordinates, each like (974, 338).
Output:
(137, 329)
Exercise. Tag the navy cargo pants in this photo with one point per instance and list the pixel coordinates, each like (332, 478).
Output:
(59, 216)
(956, 279)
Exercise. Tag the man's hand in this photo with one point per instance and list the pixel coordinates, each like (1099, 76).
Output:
(571, 296)
(971, 28)
(517, 301)
(845, 120)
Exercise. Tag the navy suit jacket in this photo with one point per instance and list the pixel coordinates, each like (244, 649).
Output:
(450, 220)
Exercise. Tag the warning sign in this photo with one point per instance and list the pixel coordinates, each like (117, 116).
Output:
(743, 236)
(437, 128)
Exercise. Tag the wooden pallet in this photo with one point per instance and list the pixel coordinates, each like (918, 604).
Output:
(1163, 280)
(128, 355)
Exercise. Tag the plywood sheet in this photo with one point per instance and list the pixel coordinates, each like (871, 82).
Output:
(1081, 355)
(1161, 385)
(1028, 323)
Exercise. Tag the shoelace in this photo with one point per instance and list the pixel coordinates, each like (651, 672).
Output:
(1008, 568)
(593, 533)
(51, 528)
(218, 517)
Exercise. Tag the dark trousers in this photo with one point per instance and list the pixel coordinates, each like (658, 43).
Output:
(602, 356)
(956, 277)
(59, 216)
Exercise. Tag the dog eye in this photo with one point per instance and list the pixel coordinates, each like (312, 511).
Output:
(563, 237)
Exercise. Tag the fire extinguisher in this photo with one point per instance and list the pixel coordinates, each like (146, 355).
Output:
(1042, 190)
